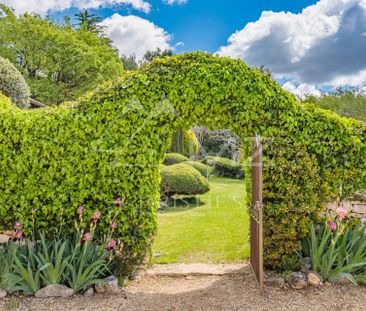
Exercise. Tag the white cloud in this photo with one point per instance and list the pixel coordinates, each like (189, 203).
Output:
(325, 44)
(135, 35)
(171, 2)
(302, 89)
(45, 6)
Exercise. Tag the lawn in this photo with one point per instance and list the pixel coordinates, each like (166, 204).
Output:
(212, 229)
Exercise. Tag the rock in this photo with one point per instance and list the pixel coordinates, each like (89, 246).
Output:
(305, 264)
(108, 286)
(54, 290)
(297, 280)
(342, 280)
(327, 284)
(314, 279)
(3, 293)
(276, 281)
(89, 292)
(359, 208)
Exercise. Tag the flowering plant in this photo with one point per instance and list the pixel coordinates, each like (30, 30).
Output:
(78, 261)
(337, 248)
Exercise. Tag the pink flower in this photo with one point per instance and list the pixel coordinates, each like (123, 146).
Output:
(87, 236)
(114, 225)
(111, 245)
(18, 226)
(332, 226)
(118, 202)
(341, 212)
(81, 210)
(33, 210)
(96, 215)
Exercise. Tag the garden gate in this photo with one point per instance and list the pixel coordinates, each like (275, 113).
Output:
(256, 213)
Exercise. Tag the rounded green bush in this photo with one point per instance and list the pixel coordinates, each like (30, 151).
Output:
(174, 158)
(182, 179)
(224, 167)
(13, 85)
(204, 169)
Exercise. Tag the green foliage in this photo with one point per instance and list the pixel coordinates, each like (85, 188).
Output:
(182, 179)
(89, 22)
(86, 265)
(53, 56)
(225, 167)
(67, 261)
(110, 144)
(338, 253)
(348, 103)
(12, 84)
(204, 170)
(52, 257)
(190, 143)
(149, 56)
(129, 62)
(184, 142)
(174, 158)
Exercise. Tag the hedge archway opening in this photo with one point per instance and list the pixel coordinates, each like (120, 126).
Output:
(112, 142)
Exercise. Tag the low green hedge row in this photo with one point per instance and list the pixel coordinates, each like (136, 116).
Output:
(204, 169)
(174, 158)
(225, 167)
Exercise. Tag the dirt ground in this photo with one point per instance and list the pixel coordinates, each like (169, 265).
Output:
(219, 292)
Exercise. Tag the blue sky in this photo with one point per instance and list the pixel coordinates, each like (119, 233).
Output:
(202, 24)
(308, 45)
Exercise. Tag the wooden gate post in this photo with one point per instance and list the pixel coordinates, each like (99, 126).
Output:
(256, 213)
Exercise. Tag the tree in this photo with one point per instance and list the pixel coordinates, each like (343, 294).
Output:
(129, 62)
(89, 22)
(349, 102)
(59, 63)
(149, 56)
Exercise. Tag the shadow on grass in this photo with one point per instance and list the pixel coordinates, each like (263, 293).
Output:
(181, 204)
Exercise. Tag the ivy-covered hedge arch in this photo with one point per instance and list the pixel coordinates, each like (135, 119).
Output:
(111, 143)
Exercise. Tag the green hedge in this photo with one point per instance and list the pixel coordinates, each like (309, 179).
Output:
(110, 144)
(13, 85)
(225, 167)
(174, 158)
(182, 179)
(204, 169)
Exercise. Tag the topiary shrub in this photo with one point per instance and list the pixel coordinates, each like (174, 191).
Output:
(174, 158)
(182, 179)
(13, 85)
(204, 169)
(225, 167)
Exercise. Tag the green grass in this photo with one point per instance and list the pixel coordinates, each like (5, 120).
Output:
(212, 229)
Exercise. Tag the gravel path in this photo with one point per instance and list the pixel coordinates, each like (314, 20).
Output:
(217, 292)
